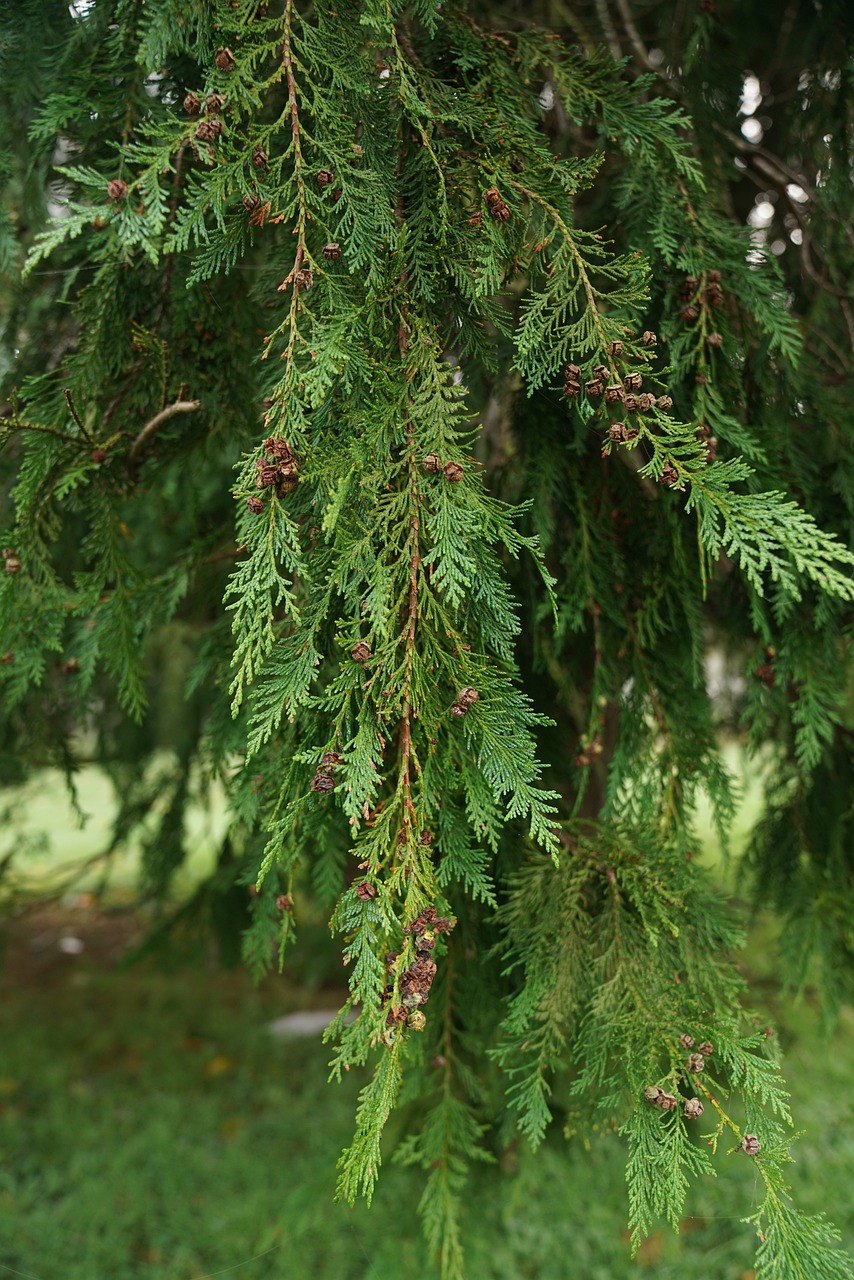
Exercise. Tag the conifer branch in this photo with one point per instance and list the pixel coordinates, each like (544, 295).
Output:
(69, 400)
(299, 162)
(387, 635)
(10, 425)
(410, 815)
(155, 423)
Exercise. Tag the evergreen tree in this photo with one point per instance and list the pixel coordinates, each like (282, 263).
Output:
(520, 402)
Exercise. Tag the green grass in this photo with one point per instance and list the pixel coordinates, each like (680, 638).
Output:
(150, 1127)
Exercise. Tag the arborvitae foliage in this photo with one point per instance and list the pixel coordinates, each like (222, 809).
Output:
(460, 323)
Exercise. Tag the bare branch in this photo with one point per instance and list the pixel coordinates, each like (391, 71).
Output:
(180, 406)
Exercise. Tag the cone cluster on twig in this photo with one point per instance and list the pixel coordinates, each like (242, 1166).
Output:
(415, 983)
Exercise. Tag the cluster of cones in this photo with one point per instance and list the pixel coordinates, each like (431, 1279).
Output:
(414, 985)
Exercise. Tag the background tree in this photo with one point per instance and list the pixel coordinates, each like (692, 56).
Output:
(525, 418)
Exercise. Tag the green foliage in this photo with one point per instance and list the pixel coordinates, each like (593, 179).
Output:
(350, 257)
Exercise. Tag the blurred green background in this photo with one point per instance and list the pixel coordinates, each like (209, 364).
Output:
(151, 1125)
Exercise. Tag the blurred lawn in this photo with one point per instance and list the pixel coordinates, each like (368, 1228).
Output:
(151, 1127)
(57, 838)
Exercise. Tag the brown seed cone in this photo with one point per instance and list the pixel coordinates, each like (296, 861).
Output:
(13, 564)
(431, 463)
(614, 395)
(476, 219)
(646, 402)
(631, 403)
(669, 475)
(715, 276)
(500, 212)
(594, 387)
(214, 103)
(689, 314)
(209, 129)
(666, 1101)
(323, 782)
(360, 652)
(192, 104)
(571, 388)
(251, 202)
(416, 1020)
(715, 339)
(632, 382)
(468, 696)
(692, 1109)
(615, 348)
(617, 432)
(331, 252)
(267, 474)
(255, 505)
(279, 449)
(664, 402)
(602, 372)
(98, 455)
(365, 891)
(517, 164)
(750, 1144)
(652, 1093)
(649, 339)
(453, 471)
(324, 177)
(696, 1062)
(303, 280)
(117, 189)
(686, 1041)
(705, 1048)
(284, 902)
(260, 159)
(286, 485)
(224, 60)
(572, 371)
(492, 196)
(457, 708)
